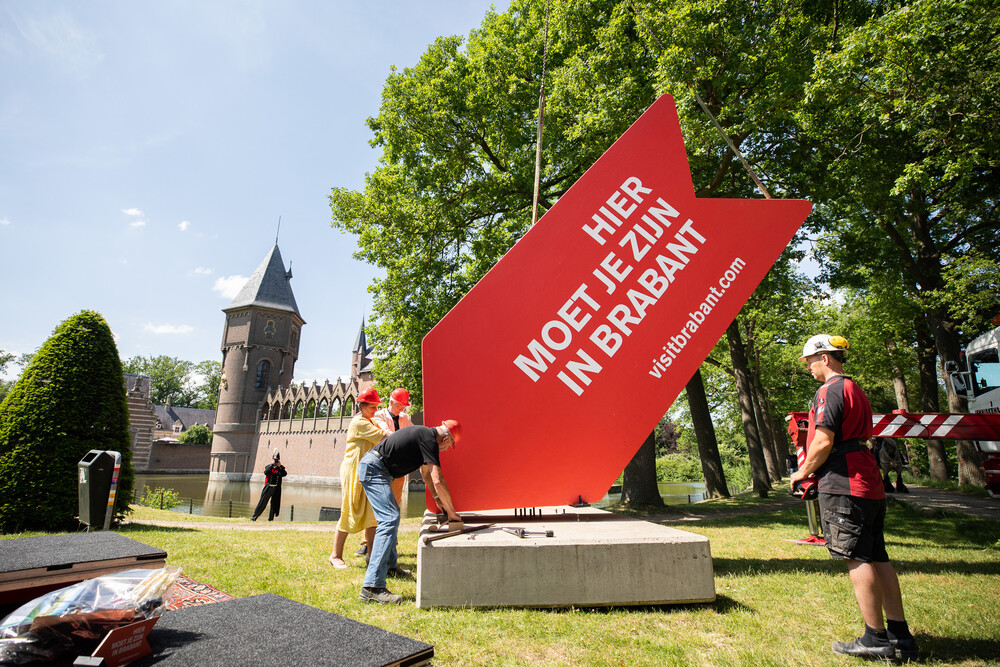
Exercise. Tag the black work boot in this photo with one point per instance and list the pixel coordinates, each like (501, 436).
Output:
(906, 649)
(379, 595)
(872, 645)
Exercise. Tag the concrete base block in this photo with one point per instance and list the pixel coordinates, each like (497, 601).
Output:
(593, 559)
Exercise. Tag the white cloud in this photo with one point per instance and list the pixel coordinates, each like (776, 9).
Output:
(168, 328)
(132, 211)
(61, 39)
(137, 223)
(184, 225)
(202, 271)
(230, 286)
(4, 222)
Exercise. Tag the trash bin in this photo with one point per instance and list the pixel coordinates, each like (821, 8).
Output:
(96, 470)
(329, 513)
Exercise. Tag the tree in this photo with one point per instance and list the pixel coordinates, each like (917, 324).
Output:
(453, 188)
(5, 385)
(206, 396)
(69, 400)
(185, 384)
(904, 118)
(708, 446)
(198, 434)
(168, 378)
(639, 484)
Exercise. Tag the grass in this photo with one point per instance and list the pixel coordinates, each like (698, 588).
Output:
(950, 485)
(778, 603)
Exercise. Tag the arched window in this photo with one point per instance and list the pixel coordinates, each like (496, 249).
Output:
(349, 406)
(276, 410)
(335, 408)
(324, 409)
(286, 410)
(298, 410)
(263, 371)
(265, 413)
(311, 409)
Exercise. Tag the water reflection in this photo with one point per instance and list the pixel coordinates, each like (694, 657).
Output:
(303, 503)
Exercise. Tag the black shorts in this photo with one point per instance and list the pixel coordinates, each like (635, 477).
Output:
(853, 527)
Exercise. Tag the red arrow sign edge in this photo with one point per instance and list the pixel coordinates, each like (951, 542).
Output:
(562, 359)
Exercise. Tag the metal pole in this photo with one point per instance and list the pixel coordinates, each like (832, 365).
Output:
(541, 120)
(291, 516)
(161, 499)
(230, 509)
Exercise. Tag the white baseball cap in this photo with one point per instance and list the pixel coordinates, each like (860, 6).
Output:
(823, 343)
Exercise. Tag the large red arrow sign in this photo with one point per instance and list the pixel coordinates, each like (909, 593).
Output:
(563, 358)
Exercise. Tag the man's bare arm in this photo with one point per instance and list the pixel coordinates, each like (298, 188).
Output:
(434, 480)
(817, 452)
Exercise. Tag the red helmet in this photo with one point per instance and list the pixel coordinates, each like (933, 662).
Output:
(454, 428)
(401, 396)
(369, 396)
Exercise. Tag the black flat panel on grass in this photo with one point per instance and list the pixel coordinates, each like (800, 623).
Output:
(272, 630)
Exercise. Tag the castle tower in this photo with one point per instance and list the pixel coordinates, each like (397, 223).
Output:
(260, 344)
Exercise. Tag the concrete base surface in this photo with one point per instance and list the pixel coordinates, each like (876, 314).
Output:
(592, 559)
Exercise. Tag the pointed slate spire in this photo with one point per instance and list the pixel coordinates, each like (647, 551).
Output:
(268, 287)
(362, 360)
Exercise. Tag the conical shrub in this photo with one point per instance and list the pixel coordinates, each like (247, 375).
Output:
(69, 400)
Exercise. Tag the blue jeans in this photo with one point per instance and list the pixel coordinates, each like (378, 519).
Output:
(378, 487)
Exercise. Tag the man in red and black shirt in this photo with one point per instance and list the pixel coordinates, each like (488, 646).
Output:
(852, 500)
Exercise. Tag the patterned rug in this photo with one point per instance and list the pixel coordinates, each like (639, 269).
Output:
(189, 593)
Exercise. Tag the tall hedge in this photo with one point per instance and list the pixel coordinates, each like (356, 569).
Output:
(69, 400)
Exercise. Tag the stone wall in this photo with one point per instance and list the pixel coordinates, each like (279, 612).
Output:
(170, 457)
(310, 457)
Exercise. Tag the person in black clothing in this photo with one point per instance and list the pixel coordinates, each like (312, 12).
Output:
(406, 450)
(272, 488)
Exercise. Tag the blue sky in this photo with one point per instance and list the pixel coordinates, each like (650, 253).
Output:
(147, 150)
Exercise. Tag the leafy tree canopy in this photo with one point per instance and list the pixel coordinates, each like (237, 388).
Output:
(185, 384)
(69, 399)
(199, 434)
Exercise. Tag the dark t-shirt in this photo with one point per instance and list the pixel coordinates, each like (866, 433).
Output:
(841, 406)
(407, 449)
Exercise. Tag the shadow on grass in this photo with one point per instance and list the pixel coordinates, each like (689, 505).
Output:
(957, 650)
(757, 566)
(148, 528)
(722, 605)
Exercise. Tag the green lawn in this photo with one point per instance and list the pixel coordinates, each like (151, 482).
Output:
(778, 603)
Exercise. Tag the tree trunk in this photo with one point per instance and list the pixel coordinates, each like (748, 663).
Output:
(764, 430)
(758, 465)
(704, 431)
(898, 377)
(639, 479)
(780, 435)
(927, 368)
(948, 348)
(764, 433)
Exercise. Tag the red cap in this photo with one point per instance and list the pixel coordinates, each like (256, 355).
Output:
(454, 428)
(401, 396)
(369, 396)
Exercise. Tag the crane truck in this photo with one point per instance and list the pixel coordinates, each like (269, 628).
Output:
(976, 376)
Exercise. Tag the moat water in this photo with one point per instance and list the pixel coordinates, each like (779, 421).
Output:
(303, 503)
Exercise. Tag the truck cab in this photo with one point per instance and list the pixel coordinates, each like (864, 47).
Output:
(977, 378)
